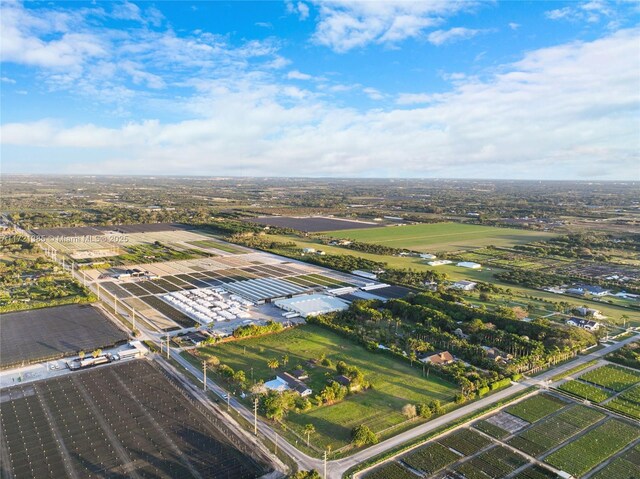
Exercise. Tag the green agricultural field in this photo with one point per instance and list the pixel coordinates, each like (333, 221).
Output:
(586, 391)
(465, 441)
(394, 383)
(595, 446)
(431, 458)
(536, 407)
(612, 377)
(491, 429)
(522, 294)
(553, 431)
(627, 403)
(391, 470)
(441, 236)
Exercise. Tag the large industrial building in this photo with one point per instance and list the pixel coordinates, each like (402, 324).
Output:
(312, 304)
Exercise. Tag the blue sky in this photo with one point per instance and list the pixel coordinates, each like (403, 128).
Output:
(471, 89)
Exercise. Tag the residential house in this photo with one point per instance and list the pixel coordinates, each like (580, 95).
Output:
(583, 323)
(286, 381)
(496, 355)
(439, 359)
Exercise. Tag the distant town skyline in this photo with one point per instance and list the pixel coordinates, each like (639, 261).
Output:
(442, 89)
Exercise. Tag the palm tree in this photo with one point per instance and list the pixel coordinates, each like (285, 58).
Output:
(273, 363)
(308, 430)
(285, 360)
(96, 353)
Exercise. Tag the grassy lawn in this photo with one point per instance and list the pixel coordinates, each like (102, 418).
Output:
(394, 383)
(441, 236)
(595, 446)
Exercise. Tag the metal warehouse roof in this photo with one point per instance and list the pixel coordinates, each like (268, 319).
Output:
(263, 288)
(312, 304)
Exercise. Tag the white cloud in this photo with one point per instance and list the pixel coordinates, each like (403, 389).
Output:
(440, 37)
(72, 50)
(414, 98)
(591, 12)
(514, 26)
(344, 25)
(7, 80)
(126, 11)
(298, 8)
(296, 75)
(550, 115)
(373, 93)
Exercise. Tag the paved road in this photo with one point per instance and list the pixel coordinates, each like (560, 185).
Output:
(336, 468)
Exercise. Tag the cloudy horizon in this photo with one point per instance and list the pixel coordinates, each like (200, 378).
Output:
(439, 89)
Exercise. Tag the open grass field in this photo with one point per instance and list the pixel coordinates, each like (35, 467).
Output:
(441, 236)
(595, 446)
(394, 383)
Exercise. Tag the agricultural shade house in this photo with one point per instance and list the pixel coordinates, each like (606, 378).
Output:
(469, 264)
(312, 304)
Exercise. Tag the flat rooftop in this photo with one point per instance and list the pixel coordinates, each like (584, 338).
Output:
(312, 304)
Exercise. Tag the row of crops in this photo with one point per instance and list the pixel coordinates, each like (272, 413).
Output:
(553, 431)
(551, 424)
(627, 403)
(626, 465)
(537, 407)
(602, 383)
(587, 391)
(497, 462)
(590, 449)
(616, 378)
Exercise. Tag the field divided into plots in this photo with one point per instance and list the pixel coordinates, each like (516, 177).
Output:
(627, 403)
(124, 420)
(589, 450)
(565, 435)
(616, 378)
(49, 333)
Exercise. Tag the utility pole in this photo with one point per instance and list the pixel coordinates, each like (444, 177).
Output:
(167, 345)
(98, 290)
(133, 316)
(276, 444)
(255, 416)
(325, 465)
(204, 372)
(228, 401)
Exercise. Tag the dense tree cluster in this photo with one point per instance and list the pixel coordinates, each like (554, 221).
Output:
(628, 355)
